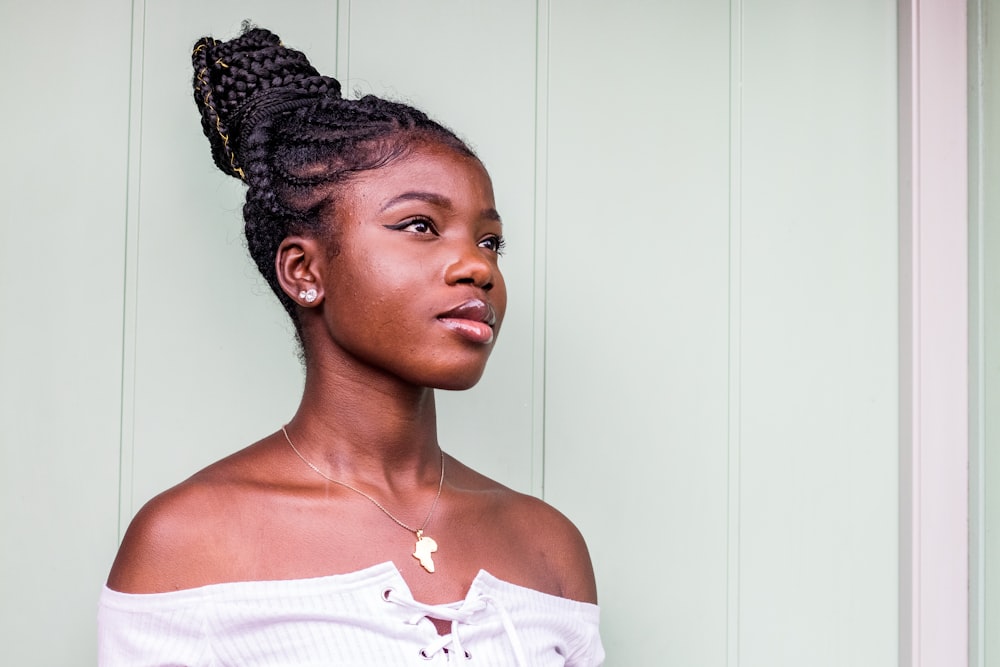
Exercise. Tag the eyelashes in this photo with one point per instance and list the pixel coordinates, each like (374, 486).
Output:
(415, 226)
(495, 243)
(424, 226)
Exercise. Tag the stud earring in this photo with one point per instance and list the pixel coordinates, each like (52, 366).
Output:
(308, 295)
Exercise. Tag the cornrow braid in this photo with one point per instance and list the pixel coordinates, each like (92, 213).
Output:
(276, 123)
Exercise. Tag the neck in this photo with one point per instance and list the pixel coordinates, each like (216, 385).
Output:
(364, 425)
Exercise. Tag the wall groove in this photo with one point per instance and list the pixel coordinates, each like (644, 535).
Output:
(977, 345)
(735, 314)
(131, 277)
(541, 219)
(342, 70)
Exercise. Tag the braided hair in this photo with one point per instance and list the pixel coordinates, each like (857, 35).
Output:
(283, 128)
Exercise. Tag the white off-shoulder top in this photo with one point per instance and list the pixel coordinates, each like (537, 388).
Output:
(366, 618)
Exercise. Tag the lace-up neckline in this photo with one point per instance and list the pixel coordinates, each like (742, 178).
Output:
(474, 609)
(364, 617)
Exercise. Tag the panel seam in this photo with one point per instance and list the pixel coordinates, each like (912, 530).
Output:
(539, 295)
(342, 67)
(733, 525)
(126, 482)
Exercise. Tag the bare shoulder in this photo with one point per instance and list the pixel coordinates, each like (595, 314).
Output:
(554, 551)
(562, 544)
(174, 540)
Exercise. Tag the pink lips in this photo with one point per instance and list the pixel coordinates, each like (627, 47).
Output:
(473, 320)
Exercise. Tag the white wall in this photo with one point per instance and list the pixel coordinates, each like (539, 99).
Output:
(699, 364)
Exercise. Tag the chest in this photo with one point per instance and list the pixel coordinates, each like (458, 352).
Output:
(297, 540)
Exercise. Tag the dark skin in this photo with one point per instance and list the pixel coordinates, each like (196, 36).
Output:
(412, 241)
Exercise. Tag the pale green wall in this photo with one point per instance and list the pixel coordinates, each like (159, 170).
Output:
(63, 181)
(699, 362)
(728, 376)
(984, 207)
(991, 367)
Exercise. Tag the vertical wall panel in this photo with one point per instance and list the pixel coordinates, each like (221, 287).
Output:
(215, 364)
(815, 329)
(991, 359)
(471, 66)
(243, 338)
(984, 229)
(62, 226)
(991, 335)
(637, 307)
(818, 331)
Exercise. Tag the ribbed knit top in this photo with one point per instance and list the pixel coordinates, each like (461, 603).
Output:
(366, 617)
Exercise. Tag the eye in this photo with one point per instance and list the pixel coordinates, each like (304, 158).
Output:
(415, 226)
(494, 243)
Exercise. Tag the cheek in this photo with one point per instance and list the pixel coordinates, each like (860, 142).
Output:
(383, 298)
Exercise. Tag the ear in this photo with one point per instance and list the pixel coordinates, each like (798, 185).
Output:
(299, 265)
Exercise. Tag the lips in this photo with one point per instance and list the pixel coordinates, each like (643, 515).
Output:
(473, 320)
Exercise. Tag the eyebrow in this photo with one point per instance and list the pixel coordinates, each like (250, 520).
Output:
(434, 199)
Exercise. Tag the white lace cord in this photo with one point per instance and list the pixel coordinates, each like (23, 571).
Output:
(458, 616)
(508, 625)
(443, 642)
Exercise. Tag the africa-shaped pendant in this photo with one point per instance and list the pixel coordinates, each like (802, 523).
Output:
(423, 550)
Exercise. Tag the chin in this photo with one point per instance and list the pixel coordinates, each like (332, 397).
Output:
(457, 384)
(457, 379)
(451, 386)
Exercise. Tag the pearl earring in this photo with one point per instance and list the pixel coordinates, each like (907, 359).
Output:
(308, 295)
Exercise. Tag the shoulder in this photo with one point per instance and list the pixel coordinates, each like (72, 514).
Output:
(169, 530)
(175, 540)
(536, 545)
(561, 545)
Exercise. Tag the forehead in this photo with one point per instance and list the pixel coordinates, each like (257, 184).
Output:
(427, 168)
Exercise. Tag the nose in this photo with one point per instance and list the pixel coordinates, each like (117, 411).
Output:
(471, 267)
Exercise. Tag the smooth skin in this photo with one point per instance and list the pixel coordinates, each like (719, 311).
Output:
(410, 241)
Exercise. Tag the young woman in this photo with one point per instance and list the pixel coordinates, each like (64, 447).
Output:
(348, 537)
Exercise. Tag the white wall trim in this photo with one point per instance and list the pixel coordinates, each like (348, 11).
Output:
(934, 401)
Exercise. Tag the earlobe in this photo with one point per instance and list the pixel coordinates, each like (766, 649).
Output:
(298, 265)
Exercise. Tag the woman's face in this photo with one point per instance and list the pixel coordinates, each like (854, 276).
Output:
(414, 288)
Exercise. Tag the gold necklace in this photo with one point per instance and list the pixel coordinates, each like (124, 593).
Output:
(425, 545)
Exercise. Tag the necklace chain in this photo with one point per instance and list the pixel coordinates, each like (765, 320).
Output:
(417, 531)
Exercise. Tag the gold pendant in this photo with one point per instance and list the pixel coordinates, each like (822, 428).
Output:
(423, 550)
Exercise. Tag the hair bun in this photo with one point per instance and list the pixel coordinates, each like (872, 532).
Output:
(245, 80)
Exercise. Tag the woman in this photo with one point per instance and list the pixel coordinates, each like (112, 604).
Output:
(348, 537)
